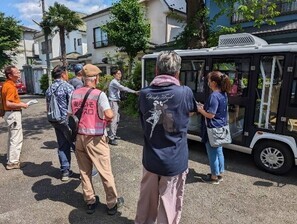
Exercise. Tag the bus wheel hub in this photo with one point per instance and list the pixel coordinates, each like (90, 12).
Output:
(272, 158)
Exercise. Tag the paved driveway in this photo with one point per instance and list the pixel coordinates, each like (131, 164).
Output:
(36, 194)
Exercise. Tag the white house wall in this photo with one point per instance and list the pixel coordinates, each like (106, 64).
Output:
(70, 42)
(93, 22)
(56, 49)
(84, 44)
(25, 49)
(38, 42)
(156, 14)
(29, 41)
(163, 29)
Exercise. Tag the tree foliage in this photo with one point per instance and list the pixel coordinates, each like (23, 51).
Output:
(65, 20)
(10, 36)
(199, 31)
(128, 29)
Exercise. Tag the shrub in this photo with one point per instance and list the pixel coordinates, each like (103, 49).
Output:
(130, 104)
(104, 82)
(44, 83)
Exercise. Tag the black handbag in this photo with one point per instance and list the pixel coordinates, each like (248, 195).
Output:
(74, 119)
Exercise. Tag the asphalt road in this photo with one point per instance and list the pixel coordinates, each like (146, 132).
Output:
(36, 195)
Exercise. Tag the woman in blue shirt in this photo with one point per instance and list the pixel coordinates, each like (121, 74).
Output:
(215, 113)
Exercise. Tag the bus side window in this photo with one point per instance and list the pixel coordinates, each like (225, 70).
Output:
(191, 79)
(200, 82)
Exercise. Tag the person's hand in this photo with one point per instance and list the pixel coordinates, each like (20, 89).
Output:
(24, 105)
(200, 104)
(137, 92)
(200, 107)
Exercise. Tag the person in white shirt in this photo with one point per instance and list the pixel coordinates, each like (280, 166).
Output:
(114, 90)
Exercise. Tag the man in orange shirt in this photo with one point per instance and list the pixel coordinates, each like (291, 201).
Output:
(13, 116)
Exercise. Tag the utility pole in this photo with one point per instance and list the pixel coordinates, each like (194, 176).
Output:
(48, 65)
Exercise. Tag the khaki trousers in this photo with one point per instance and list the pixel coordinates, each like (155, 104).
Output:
(91, 150)
(13, 121)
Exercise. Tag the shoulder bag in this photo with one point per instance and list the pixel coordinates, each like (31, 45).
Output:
(218, 136)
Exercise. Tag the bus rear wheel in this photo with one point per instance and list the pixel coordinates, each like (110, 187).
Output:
(273, 157)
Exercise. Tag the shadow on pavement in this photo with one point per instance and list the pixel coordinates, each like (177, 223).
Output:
(63, 192)
(194, 177)
(50, 145)
(242, 163)
(3, 159)
(44, 169)
(78, 216)
(129, 129)
(35, 125)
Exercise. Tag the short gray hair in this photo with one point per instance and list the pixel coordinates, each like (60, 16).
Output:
(168, 62)
(92, 78)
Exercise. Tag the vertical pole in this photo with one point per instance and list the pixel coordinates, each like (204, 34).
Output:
(48, 65)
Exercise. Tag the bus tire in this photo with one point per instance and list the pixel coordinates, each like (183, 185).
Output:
(273, 157)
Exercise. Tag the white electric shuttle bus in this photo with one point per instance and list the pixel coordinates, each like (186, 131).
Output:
(262, 101)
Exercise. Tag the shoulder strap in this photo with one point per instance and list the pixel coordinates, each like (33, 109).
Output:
(97, 105)
(57, 88)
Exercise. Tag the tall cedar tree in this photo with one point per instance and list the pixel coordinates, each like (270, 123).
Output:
(128, 29)
(10, 36)
(59, 16)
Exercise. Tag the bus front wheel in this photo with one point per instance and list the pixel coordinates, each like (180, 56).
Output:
(273, 157)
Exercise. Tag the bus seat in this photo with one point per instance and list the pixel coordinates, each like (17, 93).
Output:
(275, 98)
(292, 125)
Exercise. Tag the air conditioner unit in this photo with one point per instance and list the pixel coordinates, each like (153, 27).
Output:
(240, 39)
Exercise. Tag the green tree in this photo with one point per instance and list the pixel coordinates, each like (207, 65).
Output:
(65, 20)
(128, 29)
(10, 36)
(198, 31)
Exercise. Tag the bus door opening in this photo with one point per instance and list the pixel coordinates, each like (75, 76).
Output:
(268, 92)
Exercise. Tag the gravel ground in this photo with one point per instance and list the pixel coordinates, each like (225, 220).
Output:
(35, 194)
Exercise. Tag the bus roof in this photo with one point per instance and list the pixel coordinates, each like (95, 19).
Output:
(236, 44)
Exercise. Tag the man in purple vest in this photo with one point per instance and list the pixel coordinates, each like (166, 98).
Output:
(91, 146)
(164, 107)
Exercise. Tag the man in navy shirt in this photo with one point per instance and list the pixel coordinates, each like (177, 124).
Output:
(164, 112)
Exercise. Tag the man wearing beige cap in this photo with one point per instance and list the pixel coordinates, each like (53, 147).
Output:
(91, 141)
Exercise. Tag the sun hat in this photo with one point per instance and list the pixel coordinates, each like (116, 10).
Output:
(90, 70)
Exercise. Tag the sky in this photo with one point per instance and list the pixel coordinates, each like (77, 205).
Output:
(26, 10)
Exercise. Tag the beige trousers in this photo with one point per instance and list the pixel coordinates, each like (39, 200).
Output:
(161, 198)
(91, 150)
(13, 120)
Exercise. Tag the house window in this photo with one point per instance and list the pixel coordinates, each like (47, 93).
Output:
(100, 38)
(43, 51)
(103, 70)
(79, 42)
(30, 60)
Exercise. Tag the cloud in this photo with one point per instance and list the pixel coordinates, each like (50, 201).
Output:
(31, 9)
